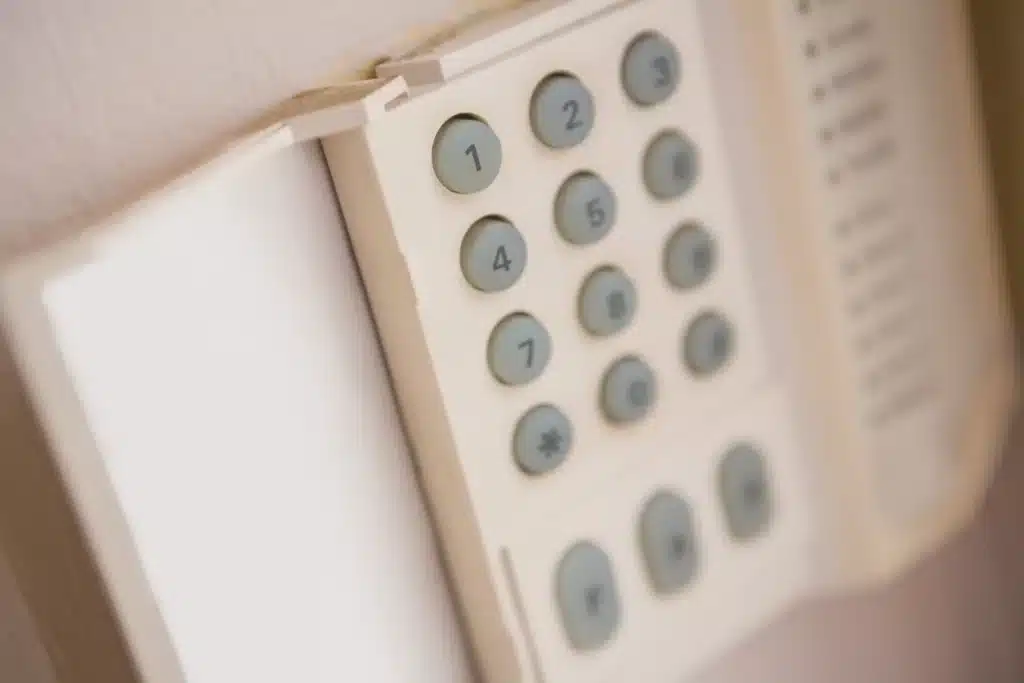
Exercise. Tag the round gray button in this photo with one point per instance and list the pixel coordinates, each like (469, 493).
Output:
(542, 439)
(746, 492)
(708, 343)
(669, 542)
(607, 302)
(587, 596)
(650, 69)
(493, 254)
(585, 208)
(671, 165)
(467, 154)
(690, 256)
(628, 391)
(561, 111)
(519, 349)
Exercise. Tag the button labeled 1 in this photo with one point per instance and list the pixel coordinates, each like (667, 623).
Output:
(466, 154)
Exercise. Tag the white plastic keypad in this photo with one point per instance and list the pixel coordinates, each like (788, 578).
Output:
(551, 249)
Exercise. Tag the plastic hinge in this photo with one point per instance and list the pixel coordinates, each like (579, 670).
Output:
(494, 38)
(324, 112)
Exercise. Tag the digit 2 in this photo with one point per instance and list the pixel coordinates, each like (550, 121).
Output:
(573, 109)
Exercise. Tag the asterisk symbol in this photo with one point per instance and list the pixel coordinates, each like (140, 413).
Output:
(551, 443)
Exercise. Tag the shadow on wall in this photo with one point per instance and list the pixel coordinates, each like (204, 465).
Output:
(998, 26)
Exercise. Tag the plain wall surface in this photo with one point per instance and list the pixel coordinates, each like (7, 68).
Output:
(100, 100)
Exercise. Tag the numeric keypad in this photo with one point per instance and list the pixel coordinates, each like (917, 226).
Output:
(555, 261)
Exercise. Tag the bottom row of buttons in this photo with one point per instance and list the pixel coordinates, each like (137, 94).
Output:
(585, 586)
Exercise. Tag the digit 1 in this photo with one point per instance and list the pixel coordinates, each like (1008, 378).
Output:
(472, 153)
(528, 345)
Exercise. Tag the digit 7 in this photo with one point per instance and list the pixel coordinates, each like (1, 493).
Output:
(528, 345)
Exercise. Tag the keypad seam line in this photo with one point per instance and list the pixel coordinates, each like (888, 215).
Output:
(520, 611)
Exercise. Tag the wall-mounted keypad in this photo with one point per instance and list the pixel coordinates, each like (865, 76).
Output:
(495, 255)
(548, 210)
(555, 260)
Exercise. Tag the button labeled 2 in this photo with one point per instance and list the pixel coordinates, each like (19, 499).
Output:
(493, 254)
(561, 111)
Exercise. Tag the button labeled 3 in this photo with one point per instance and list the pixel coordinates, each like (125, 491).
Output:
(607, 302)
(650, 69)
